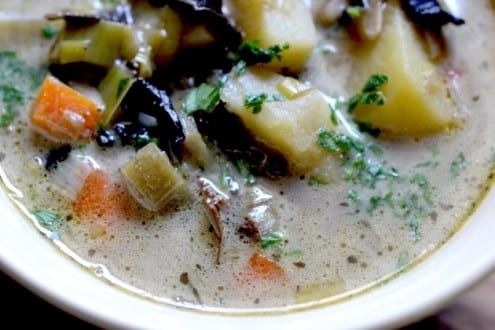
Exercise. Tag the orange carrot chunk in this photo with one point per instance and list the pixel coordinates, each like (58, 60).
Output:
(101, 200)
(262, 268)
(61, 113)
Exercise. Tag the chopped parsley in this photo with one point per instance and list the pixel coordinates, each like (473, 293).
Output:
(47, 219)
(354, 12)
(458, 164)
(48, 31)
(368, 128)
(18, 83)
(255, 101)
(271, 239)
(353, 196)
(242, 167)
(332, 141)
(205, 98)
(403, 259)
(314, 180)
(250, 53)
(370, 94)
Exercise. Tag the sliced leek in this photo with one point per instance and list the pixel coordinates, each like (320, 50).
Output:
(151, 178)
(113, 88)
(98, 44)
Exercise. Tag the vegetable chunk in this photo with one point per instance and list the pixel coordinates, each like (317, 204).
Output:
(151, 178)
(274, 22)
(281, 112)
(416, 99)
(63, 114)
(262, 268)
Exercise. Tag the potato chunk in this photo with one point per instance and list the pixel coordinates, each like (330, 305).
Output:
(417, 101)
(288, 120)
(275, 22)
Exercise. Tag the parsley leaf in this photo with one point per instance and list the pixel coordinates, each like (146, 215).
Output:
(337, 142)
(370, 94)
(18, 82)
(250, 53)
(270, 239)
(47, 219)
(205, 98)
(458, 164)
(48, 31)
(256, 101)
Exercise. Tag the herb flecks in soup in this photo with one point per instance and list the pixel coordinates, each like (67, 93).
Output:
(247, 154)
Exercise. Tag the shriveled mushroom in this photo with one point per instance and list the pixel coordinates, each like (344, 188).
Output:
(214, 200)
(261, 218)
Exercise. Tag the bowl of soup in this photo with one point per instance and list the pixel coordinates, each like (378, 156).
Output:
(244, 164)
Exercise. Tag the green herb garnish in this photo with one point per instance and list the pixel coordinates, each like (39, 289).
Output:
(18, 82)
(354, 12)
(255, 101)
(48, 31)
(271, 239)
(370, 94)
(47, 219)
(403, 259)
(458, 164)
(205, 98)
(332, 141)
(250, 53)
(242, 167)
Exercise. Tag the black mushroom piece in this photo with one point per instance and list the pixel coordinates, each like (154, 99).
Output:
(57, 155)
(197, 59)
(429, 14)
(214, 5)
(229, 134)
(147, 114)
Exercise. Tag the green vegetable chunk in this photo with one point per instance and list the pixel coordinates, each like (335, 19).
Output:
(151, 178)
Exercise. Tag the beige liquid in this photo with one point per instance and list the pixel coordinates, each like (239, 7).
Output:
(332, 246)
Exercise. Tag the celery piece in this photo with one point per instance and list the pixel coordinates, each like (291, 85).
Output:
(73, 51)
(113, 88)
(98, 44)
(151, 178)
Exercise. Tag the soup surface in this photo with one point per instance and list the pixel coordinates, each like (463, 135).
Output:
(278, 202)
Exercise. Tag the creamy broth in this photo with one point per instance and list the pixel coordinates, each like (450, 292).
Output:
(337, 237)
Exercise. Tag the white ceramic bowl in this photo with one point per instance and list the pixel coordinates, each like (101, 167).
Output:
(32, 259)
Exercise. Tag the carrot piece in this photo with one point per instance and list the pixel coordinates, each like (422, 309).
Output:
(101, 200)
(262, 268)
(63, 114)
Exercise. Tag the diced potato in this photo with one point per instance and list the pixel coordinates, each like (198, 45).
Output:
(417, 101)
(275, 22)
(151, 178)
(289, 120)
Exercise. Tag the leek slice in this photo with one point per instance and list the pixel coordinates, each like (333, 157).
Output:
(98, 44)
(151, 178)
(113, 88)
